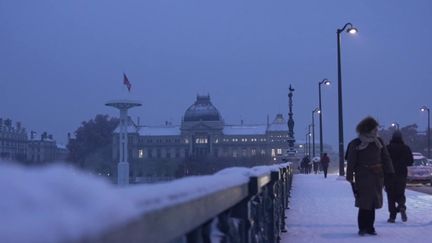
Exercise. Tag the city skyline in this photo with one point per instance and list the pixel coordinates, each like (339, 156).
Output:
(62, 61)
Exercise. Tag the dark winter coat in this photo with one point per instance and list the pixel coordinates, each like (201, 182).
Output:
(401, 157)
(325, 160)
(368, 167)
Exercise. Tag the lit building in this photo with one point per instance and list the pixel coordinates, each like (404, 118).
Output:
(203, 134)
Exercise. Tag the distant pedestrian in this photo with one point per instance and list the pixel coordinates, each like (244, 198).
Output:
(402, 157)
(315, 164)
(305, 164)
(368, 160)
(325, 161)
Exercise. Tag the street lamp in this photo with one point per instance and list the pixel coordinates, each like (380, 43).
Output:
(316, 110)
(349, 29)
(309, 135)
(326, 82)
(425, 108)
(395, 124)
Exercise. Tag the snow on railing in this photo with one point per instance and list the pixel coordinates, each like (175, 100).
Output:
(58, 203)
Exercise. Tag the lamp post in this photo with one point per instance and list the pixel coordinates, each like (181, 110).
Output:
(425, 108)
(349, 29)
(309, 135)
(326, 82)
(395, 124)
(316, 110)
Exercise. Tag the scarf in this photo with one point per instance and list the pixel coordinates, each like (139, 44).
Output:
(368, 138)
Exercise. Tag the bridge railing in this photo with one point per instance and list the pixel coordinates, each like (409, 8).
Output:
(251, 209)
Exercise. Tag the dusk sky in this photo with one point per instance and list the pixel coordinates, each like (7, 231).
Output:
(60, 61)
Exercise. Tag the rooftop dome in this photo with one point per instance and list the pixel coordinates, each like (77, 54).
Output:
(202, 110)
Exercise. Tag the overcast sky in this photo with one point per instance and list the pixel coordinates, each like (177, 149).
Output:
(60, 61)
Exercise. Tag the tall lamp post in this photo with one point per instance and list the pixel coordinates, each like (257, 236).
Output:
(349, 29)
(396, 125)
(316, 110)
(326, 82)
(309, 135)
(425, 108)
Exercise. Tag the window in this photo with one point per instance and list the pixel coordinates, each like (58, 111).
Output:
(244, 152)
(140, 153)
(279, 151)
(186, 140)
(273, 153)
(201, 140)
(158, 153)
(253, 152)
(235, 154)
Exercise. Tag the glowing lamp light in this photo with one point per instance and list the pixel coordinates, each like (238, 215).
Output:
(352, 30)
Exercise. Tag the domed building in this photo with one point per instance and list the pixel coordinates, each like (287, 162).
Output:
(202, 110)
(204, 135)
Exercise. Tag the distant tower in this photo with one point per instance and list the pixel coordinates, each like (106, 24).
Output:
(123, 165)
(291, 139)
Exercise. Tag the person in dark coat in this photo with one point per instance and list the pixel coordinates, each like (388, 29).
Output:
(402, 157)
(325, 161)
(304, 164)
(368, 160)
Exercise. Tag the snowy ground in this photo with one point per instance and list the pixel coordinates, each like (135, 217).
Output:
(322, 210)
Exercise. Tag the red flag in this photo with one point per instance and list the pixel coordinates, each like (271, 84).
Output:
(126, 82)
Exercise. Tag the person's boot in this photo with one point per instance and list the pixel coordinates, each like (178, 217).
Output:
(403, 214)
(392, 218)
(371, 231)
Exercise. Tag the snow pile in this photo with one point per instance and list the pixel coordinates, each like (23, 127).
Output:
(53, 203)
(58, 203)
(156, 196)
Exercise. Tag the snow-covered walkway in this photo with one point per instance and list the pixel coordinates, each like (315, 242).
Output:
(322, 210)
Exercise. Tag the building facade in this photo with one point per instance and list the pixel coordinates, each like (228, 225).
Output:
(15, 145)
(204, 135)
(13, 140)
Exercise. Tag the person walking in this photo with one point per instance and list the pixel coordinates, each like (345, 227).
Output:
(325, 161)
(315, 164)
(401, 157)
(368, 160)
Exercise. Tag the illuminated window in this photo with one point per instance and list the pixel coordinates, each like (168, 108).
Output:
(217, 140)
(140, 153)
(279, 151)
(201, 140)
(273, 154)
(186, 140)
(253, 152)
